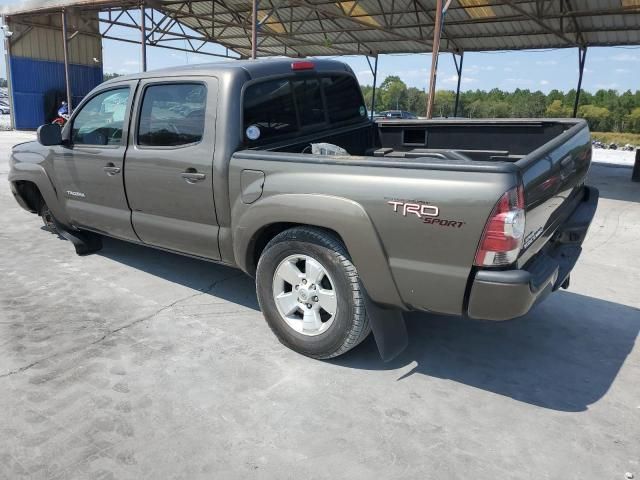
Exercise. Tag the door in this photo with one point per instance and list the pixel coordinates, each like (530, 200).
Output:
(89, 166)
(169, 165)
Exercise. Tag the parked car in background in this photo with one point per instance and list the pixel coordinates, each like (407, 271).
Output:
(397, 114)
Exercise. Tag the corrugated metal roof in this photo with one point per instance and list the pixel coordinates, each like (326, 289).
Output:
(38, 37)
(334, 27)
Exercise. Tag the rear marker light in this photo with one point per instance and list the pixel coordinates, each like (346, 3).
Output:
(501, 239)
(295, 66)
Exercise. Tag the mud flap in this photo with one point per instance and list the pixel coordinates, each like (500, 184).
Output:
(389, 329)
(85, 243)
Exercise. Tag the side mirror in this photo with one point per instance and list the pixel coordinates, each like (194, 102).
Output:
(49, 134)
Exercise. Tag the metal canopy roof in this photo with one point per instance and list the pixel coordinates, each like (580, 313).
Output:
(330, 27)
(324, 27)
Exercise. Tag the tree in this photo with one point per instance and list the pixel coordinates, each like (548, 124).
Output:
(393, 94)
(416, 101)
(605, 110)
(389, 80)
(473, 108)
(444, 103)
(557, 110)
(633, 120)
(367, 94)
(596, 116)
(554, 95)
(109, 76)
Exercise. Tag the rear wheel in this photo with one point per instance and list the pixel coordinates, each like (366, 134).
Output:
(310, 293)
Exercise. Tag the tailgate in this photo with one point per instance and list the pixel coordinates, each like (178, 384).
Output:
(553, 178)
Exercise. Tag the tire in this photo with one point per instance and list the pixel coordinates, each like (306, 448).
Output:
(338, 332)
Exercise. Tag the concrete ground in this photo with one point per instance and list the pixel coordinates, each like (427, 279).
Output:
(133, 363)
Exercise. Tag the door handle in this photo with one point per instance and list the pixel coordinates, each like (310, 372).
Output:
(111, 169)
(192, 176)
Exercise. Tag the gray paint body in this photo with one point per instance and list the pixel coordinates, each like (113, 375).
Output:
(402, 261)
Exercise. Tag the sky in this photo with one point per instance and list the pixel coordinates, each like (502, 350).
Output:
(606, 67)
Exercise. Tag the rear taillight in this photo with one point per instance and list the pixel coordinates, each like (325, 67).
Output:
(501, 240)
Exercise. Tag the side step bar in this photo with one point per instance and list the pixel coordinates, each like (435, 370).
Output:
(85, 243)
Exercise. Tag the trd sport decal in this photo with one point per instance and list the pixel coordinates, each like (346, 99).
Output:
(420, 209)
(427, 213)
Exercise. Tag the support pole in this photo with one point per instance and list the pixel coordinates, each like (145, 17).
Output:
(582, 55)
(143, 39)
(437, 33)
(374, 71)
(459, 70)
(65, 50)
(7, 60)
(254, 29)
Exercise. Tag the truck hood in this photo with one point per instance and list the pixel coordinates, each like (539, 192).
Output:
(28, 152)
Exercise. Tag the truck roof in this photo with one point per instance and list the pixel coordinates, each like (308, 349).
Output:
(252, 68)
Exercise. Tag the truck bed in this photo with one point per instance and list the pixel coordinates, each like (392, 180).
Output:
(504, 140)
(549, 158)
(480, 139)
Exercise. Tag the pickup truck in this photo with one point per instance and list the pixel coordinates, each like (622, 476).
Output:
(275, 168)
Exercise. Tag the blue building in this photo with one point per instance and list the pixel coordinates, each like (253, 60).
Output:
(36, 63)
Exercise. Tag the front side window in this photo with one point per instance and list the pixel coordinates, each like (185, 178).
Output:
(172, 115)
(101, 119)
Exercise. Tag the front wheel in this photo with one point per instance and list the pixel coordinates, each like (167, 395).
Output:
(310, 293)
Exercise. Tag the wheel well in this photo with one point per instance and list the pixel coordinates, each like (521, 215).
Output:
(266, 234)
(30, 194)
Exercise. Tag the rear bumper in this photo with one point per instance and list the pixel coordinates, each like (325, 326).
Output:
(506, 294)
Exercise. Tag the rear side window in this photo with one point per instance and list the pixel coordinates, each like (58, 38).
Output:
(344, 101)
(172, 115)
(276, 108)
(309, 101)
(269, 107)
